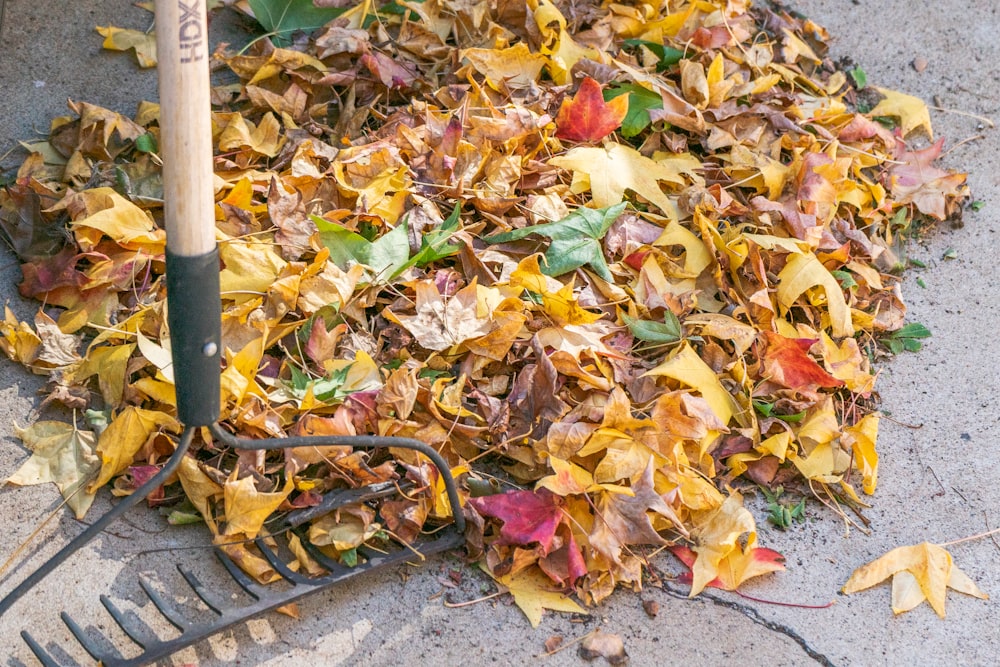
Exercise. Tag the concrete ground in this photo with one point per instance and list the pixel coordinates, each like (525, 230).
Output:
(939, 480)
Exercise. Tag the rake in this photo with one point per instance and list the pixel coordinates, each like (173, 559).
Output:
(194, 318)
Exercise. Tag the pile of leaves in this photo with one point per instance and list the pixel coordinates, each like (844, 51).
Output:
(617, 263)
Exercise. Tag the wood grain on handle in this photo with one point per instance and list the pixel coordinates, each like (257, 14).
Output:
(185, 125)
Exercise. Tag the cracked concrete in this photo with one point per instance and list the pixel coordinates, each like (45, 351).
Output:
(937, 481)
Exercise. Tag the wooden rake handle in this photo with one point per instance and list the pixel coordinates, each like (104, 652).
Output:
(193, 306)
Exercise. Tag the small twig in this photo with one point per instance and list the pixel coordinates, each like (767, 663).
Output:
(964, 113)
(567, 644)
(964, 141)
(977, 536)
(943, 490)
(797, 605)
(986, 520)
(469, 603)
(901, 423)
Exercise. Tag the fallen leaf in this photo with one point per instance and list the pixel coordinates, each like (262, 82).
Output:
(587, 117)
(920, 572)
(611, 170)
(63, 454)
(119, 39)
(441, 323)
(605, 645)
(533, 593)
(246, 508)
(911, 111)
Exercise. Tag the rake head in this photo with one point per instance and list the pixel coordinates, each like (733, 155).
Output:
(221, 611)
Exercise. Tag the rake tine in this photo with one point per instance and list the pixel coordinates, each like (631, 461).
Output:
(210, 599)
(279, 565)
(164, 607)
(246, 583)
(333, 566)
(85, 640)
(40, 653)
(126, 625)
(337, 499)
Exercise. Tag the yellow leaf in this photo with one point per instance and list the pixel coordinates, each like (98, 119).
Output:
(558, 300)
(610, 170)
(927, 572)
(567, 479)
(345, 529)
(861, 439)
(533, 593)
(107, 213)
(687, 367)
(911, 111)
(250, 269)
(124, 437)
(109, 363)
(719, 551)
(845, 362)
(514, 67)
(805, 271)
(200, 489)
(247, 508)
(238, 133)
(62, 454)
(119, 39)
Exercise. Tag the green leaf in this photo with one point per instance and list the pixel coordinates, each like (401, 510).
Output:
(280, 18)
(178, 518)
(912, 330)
(668, 55)
(385, 256)
(763, 407)
(859, 77)
(640, 101)
(668, 331)
(575, 240)
(434, 244)
(845, 278)
(906, 338)
(950, 253)
(977, 205)
(145, 143)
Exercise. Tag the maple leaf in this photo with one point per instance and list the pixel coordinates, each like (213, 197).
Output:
(911, 111)
(128, 431)
(787, 362)
(533, 594)
(281, 18)
(919, 182)
(719, 555)
(441, 323)
(119, 39)
(576, 240)
(611, 170)
(528, 516)
(920, 572)
(246, 508)
(587, 117)
(624, 520)
(62, 454)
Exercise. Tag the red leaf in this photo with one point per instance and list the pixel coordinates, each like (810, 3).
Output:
(527, 516)
(566, 563)
(587, 117)
(787, 362)
(752, 563)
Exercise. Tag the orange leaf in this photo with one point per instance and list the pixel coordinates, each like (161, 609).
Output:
(587, 117)
(787, 362)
